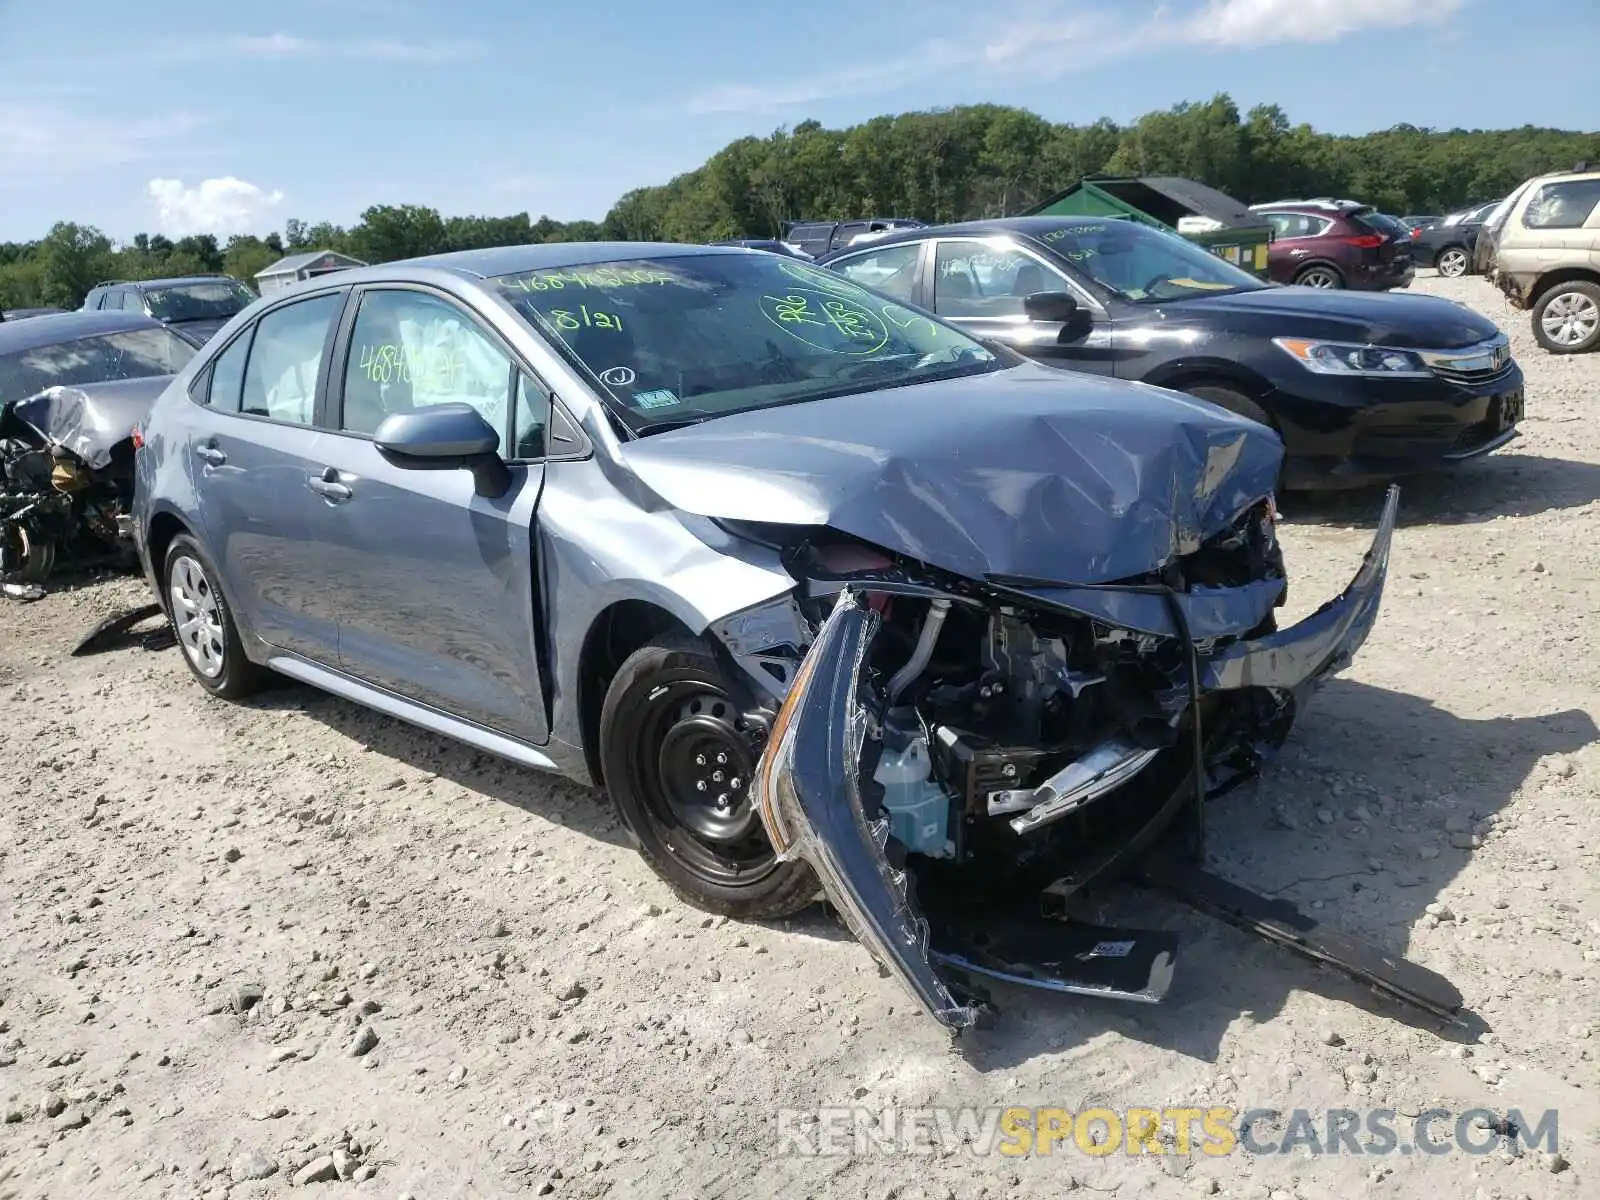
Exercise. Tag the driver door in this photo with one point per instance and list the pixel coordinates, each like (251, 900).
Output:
(980, 286)
(437, 584)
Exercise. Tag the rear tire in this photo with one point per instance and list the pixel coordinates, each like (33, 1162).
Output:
(1566, 319)
(1320, 275)
(203, 623)
(672, 745)
(1453, 262)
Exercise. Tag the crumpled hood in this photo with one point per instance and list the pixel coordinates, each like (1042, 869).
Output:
(1028, 471)
(90, 419)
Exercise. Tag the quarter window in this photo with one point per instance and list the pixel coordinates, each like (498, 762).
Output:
(227, 375)
(280, 378)
(976, 280)
(1565, 205)
(410, 350)
(1297, 225)
(533, 417)
(892, 270)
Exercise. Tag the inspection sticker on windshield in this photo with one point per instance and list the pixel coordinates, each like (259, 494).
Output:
(656, 398)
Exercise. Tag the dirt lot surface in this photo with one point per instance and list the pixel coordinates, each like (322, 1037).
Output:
(206, 909)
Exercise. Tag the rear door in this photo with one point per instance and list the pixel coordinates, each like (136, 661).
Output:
(981, 284)
(437, 585)
(1294, 243)
(254, 447)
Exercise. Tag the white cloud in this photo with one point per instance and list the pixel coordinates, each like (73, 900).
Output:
(1055, 39)
(293, 46)
(218, 206)
(1265, 22)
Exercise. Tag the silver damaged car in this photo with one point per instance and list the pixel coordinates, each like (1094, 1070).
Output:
(831, 599)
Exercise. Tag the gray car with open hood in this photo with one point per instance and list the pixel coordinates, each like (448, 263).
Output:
(832, 599)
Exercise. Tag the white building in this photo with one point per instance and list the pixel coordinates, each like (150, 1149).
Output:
(287, 272)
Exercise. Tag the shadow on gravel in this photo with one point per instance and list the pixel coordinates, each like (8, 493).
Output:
(1501, 485)
(540, 793)
(1353, 823)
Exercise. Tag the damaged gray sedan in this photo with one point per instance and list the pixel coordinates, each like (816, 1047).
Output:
(831, 598)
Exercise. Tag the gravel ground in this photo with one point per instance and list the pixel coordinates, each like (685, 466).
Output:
(246, 947)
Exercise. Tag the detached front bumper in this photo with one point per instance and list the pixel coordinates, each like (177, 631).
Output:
(808, 783)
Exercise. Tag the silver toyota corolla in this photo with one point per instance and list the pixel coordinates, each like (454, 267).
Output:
(830, 597)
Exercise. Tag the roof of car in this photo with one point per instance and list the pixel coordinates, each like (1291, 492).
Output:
(56, 328)
(176, 280)
(1027, 226)
(509, 260)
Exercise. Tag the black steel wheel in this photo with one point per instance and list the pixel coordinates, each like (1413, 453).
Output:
(679, 749)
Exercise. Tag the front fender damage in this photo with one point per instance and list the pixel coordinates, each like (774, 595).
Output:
(812, 798)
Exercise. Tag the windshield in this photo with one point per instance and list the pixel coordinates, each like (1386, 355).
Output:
(136, 354)
(213, 300)
(1145, 265)
(676, 340)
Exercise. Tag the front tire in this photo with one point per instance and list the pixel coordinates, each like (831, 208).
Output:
(1566, 320)
(678, 758)
(1453, 262)
(203, 623)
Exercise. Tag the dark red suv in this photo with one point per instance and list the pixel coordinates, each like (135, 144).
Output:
(1336, 244)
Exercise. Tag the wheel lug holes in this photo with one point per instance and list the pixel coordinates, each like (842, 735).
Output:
(716, 777)
(699, 785)
(734, 783)
(722, 759)
(699, 760)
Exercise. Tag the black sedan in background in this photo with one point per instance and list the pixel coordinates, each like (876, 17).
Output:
(1362, 387)
(1447, 244)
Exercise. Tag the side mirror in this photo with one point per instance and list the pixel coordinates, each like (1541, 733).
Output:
(1056, 308)
(446, 437)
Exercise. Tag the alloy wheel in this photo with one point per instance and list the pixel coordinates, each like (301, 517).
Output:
(1453, 263)
(1570, 319)
(1319, 277)
(197, 616)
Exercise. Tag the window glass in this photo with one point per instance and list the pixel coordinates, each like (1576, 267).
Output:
(208, 301)
(134, 354)
(974, 279)
(1297, 225)
(691, 337)
(533, 416)
(1564, 205)
(410, 350)
(280, 379)
(227, 375)
(1146, 265)
(892, 269)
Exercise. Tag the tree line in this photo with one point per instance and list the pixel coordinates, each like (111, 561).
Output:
(946, 165)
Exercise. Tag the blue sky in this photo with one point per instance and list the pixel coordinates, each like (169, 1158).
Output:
(195, 117)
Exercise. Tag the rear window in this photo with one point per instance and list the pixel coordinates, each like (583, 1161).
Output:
(134, 354)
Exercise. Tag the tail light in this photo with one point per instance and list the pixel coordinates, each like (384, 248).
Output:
(1417, 232)
(1366, 241)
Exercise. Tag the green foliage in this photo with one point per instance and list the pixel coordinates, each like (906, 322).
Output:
(952, 164)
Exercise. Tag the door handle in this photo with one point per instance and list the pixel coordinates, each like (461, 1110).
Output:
(327, 486)
(212, 456)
